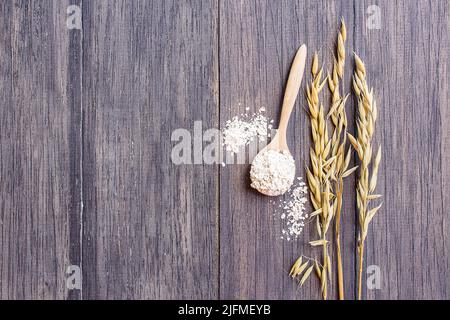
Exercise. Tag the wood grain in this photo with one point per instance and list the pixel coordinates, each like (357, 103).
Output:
(149, 231)
(39, 176)
(86, 123)
(407, 66)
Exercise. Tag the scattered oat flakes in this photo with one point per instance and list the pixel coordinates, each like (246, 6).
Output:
(243, 129)
(292, 211)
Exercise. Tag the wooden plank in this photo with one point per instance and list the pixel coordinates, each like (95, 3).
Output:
(74, 97)
(39, 121)
(407, 65)
(443, 98)
(258, 40)
(249, 38)
(150, 230)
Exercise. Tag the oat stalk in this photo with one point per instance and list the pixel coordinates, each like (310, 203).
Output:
(339, 119)
(322, 170)
(368, 171)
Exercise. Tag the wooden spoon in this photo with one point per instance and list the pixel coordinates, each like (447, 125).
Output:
(279, 141)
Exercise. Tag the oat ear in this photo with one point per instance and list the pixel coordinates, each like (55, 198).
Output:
(363, 145)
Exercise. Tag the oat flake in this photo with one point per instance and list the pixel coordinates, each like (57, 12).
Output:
(273, 171)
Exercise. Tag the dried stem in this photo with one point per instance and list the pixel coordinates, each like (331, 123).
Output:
(361, 258)
(338, 240)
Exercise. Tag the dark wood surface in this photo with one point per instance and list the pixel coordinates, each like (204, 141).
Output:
(86, 118)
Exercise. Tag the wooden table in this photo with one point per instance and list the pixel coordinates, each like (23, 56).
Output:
(86, 119)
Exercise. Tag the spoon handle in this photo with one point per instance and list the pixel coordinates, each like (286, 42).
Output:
(292, 87)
